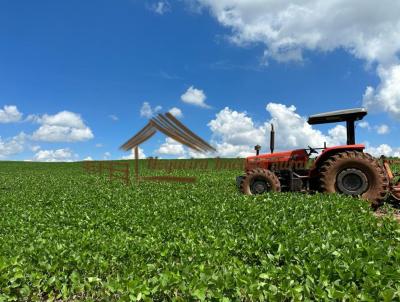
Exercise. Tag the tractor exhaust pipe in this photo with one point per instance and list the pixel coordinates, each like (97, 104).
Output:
(272, 139)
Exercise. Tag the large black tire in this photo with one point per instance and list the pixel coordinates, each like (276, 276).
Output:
(253, 181)
(355, 173)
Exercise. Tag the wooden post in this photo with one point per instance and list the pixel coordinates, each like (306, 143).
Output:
(127, 173)
(110, 170)
(137, 163)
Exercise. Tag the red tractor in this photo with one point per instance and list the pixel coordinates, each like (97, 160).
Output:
(343, 169)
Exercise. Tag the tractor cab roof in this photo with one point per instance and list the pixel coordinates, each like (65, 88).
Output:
(355, 114)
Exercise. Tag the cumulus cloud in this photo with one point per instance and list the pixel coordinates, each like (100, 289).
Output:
(147, 111)
(293, 131)
(12, 146)
(88, 158)
(106, 155)
(59, 155)
(383, 149)
(176, 112)
(160, 7)
(194, 154)
(10, 114)
(64, 126)
(171, 147)
(364, 29)
(34, 148)
(195, 97)
(236, 134)
(364, 125)
(287, 27)
(382, 129)
(386, 97)
(142, 155)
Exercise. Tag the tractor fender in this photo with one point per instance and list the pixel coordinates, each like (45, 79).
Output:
(328, 152)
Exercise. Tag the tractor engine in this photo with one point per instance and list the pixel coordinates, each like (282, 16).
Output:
(290, 167)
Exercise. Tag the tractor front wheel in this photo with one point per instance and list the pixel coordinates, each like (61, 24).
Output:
(356, 174)
(259, 181)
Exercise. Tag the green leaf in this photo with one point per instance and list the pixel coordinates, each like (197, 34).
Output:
(200, 294)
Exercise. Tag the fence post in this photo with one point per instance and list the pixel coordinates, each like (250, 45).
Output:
(127, 173)
(137, 163)
(101, 168)
(111, 170)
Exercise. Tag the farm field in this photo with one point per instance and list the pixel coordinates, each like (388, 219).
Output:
(66, 235)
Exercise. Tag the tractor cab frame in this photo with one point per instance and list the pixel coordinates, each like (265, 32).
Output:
(349, 116)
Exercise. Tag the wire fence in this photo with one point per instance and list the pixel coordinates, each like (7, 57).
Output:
(115, 170)
(123, 171)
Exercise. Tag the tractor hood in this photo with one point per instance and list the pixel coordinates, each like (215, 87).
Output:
(279, 156)
(266, 160)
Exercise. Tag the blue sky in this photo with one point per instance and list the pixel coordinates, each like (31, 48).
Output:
(101, 58)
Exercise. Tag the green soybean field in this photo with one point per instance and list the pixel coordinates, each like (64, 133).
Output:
(67, 235)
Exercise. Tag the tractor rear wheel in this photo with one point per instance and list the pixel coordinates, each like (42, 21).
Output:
(258, 181)
(354, 173)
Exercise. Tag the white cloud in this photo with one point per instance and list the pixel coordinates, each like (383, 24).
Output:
(59, 155)
(364, 125)
(383, 149)
(176, 112)
(171, 147)
(34, 148)
(386, 97)
(113, 117)
(194, 154)
(12, 145)
(195, 97)
(10, 114)
(337, 135)
(364, 29)
(147, 111)
(287, 27)
(142, 155)
(63, 118)
(382, 129)
(165, 75)
(106, 155)
(236, 134)
(34, 118)
(160, 7)
(62, 134)
(64, 126)
(88, 158)
(293, 131)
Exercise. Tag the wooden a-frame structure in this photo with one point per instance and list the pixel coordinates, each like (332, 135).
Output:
(171, 127)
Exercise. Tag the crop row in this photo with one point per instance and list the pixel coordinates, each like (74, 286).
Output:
(67, 235)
